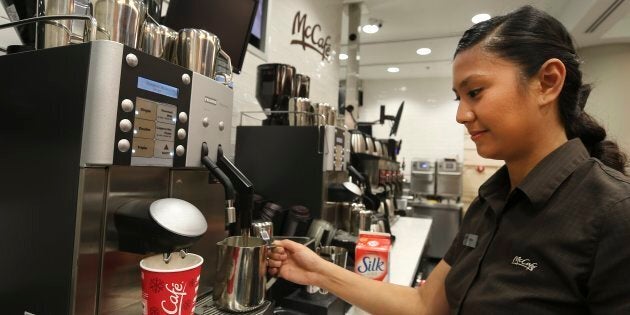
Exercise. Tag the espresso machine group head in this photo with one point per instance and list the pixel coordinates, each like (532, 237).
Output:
(161, 226)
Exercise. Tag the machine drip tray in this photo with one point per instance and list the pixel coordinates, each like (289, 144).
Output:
(205, 306)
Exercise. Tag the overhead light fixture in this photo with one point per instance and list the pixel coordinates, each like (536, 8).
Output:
(423, 51)
(393, 69)
(343, 56)
(372, 27)
(480, 18)
(358, 57)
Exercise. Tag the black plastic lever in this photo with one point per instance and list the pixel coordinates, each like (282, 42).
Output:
(217, 173)
(356, 175)
(244, 189)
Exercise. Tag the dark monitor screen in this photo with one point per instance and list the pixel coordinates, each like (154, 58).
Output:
(231, 20)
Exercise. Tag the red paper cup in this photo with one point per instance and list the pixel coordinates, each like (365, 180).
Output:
(170, 288)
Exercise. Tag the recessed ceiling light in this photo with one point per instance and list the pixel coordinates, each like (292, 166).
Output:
(423, 51)
(358, 57)
(480, 18)
(370, 28)
(343, 56)
(393, 69)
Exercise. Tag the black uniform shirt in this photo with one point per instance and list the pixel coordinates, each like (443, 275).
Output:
(559, 243)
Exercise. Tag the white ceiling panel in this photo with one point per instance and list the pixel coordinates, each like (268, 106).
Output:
(412, 24)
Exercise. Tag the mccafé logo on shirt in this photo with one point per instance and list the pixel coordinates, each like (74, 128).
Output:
(525, 263)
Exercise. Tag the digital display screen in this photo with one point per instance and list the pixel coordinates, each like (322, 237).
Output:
(157, 87)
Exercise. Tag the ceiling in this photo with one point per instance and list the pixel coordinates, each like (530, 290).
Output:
(412, 24)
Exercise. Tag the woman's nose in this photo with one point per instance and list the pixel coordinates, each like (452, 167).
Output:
(464, 114)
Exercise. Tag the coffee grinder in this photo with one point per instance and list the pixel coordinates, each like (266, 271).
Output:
(274, 88)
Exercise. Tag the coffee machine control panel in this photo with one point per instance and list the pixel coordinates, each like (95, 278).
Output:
(335, 157)
(145, 111)
(152, 116)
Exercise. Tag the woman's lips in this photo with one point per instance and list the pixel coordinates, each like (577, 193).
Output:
(474, 135)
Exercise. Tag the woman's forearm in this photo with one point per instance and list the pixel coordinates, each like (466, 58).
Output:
(375, 297)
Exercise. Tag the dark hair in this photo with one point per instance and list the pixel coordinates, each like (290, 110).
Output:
(529, 37)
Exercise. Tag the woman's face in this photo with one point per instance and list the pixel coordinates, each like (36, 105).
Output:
(495, 104)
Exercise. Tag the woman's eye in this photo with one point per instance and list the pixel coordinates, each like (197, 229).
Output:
(474, 92)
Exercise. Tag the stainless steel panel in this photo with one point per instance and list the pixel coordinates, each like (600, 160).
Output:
(446, 221)
(120, 275)
(101, 103)
(422, 183)
(449, 184)
(92, 194)
(210, 119)
(193, 186)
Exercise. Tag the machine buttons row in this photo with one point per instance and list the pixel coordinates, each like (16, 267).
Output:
(206, 122)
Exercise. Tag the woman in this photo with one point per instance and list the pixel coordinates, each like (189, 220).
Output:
(548, 232)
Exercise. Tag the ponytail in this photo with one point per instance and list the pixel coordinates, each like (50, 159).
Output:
(592, 134)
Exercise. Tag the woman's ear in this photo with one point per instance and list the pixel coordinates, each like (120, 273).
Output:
(551, 78)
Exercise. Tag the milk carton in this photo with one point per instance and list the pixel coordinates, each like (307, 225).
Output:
(372, 255)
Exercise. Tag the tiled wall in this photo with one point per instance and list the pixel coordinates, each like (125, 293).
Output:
(324, 74)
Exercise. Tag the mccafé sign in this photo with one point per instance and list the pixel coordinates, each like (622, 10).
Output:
(309, 36)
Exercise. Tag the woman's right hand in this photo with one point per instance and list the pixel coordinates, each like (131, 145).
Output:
(295, 262)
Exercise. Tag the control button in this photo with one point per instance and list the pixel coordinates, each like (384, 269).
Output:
(221, 125)
(126, 105)
(185, 78)
(205, 121)
(125, 125)
(124, 145)
(132, 60)
(183, 118)
(181, 134)
(180, 150)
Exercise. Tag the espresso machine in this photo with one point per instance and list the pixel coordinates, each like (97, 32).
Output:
(95, 134)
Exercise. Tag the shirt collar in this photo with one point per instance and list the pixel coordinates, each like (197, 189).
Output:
(543, 180)
(495, 190)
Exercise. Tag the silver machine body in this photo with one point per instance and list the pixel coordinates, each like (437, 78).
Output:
(92, 126)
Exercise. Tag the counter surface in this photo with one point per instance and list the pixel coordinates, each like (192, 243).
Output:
(411, 236)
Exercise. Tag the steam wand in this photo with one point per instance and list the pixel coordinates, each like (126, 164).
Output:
(245, 193)
(230, 215)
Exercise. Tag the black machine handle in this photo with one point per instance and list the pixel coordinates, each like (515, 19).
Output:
(244, 189)
(355, 174)
(217, 173)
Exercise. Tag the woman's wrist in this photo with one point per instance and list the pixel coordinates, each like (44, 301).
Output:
(325, 274)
